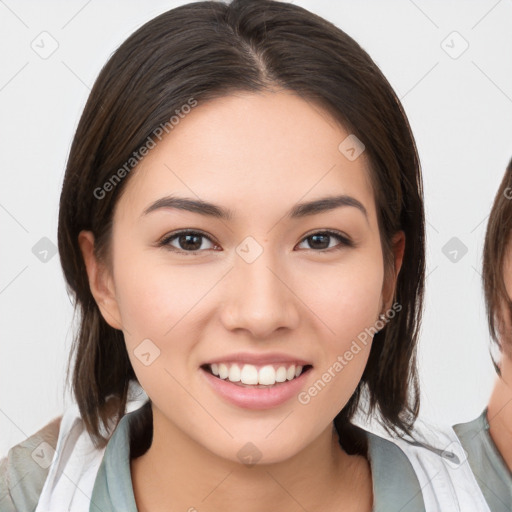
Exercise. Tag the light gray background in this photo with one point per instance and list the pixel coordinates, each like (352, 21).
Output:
(460, 110)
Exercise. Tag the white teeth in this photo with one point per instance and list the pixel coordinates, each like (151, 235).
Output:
(223, 371)
(281, 374)
(234, 373)
(249, 374)
(266, 375)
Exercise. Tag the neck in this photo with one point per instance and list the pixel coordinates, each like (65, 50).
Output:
(177, 473)
(499, 412)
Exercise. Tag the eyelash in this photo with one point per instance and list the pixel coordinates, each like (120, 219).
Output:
(164, 242)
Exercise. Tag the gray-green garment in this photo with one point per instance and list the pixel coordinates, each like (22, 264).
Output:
(395, 485)
(489, 468)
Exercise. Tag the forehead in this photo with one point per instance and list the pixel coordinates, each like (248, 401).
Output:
(246, 149)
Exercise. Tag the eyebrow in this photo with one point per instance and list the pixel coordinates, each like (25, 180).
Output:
(300, 210)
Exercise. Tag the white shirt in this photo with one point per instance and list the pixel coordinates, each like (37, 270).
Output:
(446, 480)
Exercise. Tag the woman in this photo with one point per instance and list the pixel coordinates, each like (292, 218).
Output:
(487, 439)
(241, 223)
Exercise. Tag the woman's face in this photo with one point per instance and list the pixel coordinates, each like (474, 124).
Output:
(264, 286)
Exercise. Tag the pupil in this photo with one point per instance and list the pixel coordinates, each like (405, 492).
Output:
(322, 245)
(186, 244)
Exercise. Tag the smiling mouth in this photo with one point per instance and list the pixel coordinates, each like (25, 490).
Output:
(249, 376)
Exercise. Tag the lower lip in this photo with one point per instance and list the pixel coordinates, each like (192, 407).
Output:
(256, 398)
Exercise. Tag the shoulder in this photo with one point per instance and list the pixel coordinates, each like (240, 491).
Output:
(467, 431)
(474, 437)
(438, 461)
(486, 461)
(395, 484)
(25, 468)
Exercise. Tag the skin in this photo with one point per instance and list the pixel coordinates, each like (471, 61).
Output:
(258, 155)
(499, 409)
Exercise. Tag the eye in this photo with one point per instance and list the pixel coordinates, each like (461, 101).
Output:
(189, 242)
(319, 239)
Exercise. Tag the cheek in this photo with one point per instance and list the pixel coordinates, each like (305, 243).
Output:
(349, 303)
(154, 296)
(156, 304)
(347, 297)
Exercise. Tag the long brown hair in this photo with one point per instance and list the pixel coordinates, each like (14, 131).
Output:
(496, 245)
(207, 50)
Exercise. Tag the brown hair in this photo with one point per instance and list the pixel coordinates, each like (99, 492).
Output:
(497, 242)
(207, 50)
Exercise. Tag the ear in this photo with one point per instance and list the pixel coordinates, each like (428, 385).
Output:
(388, 290)
(100, 281)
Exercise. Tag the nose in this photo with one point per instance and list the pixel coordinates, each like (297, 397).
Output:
(260, 297)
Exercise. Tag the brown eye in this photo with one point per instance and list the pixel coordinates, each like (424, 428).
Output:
(187, 242)
(321, 241)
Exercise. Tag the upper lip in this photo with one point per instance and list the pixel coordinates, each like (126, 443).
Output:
(259, 359)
